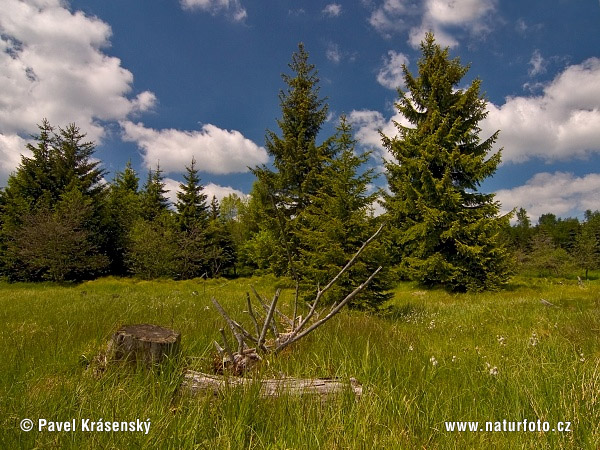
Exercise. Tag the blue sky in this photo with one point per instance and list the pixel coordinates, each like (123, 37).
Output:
(167, 80)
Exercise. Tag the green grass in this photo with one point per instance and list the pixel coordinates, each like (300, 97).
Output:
(547, 362)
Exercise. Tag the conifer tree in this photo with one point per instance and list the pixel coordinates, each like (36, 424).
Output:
(124, 205)
(336, 223)
(154, 200)
(297, 157)
(60, 171)
(448, 232)
(191, 206)
(192, 219)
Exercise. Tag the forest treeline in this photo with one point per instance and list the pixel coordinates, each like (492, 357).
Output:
(307, 213)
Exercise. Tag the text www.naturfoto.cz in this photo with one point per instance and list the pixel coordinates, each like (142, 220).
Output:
(508, 425)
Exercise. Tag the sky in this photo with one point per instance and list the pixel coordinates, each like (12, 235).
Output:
(163, 81)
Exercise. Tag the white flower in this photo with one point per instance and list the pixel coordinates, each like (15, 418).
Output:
(494, 371)
(501, 340)
(433, 361)
(533, 340)
(453, 358)
(410, 348)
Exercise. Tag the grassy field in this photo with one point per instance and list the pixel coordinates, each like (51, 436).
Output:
(436, 357)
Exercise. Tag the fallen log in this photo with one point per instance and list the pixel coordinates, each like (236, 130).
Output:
(202, 383)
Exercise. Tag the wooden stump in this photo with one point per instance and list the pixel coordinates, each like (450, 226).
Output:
(144, 343)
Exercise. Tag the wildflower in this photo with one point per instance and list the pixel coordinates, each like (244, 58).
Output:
(501, 340)
(581, 357)
(533, 340)
(410, 348)
(453, 358)
(433, 361)
(432, 324)
(494, 371)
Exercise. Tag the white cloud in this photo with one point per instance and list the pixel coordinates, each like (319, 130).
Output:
(537, 64)
(560, 123)
(333, 53)
(52, 66)
(397, 16)
(210, 190)
(559, 193)
(231, 8)
(368, 124)
(391, 75)
(217, 151)
(332, 10)
(390, 16)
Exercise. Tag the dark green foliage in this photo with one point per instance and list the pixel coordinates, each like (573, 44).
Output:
(336, 223)
(154, 201)
(56, 244)
(297, 158)
(192, 210)
(447, 231)
(124, 209)
(44, 194)
(152, 248)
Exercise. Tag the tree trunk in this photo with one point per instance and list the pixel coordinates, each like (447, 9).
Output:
(201, 383)
(144, 343)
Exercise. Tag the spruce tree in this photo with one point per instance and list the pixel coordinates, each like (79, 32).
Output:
(124, 206)
(154, 200)
(336, 223)
(448, 232)
(59, 171)
(297, 157)
(191, 206)
(192, 219)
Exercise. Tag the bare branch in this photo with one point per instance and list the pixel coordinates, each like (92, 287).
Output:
(232, 325)
(295, 337)
(269, 318)
(334, 280)
(296, 292)
(251, 313)
(226, 344)
(266, 308)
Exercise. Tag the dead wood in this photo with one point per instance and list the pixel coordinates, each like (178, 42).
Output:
(202, 383)
(298, 326)
(143, 343)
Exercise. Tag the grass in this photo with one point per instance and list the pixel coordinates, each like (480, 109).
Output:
(434, 357)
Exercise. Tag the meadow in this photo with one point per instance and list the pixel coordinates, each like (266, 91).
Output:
(433, 357)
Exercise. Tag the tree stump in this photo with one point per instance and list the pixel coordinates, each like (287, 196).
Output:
(145, 344)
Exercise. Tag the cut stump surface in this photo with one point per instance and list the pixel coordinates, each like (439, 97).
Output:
(144, 343)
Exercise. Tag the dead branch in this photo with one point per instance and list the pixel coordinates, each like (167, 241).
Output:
(299, 326)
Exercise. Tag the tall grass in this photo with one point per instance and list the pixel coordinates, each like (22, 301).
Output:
(434, 357)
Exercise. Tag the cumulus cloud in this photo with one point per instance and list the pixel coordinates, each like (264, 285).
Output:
(332, 10)
(560, 123)
(52, 66)
(391, 75)
(396, 16)
(391, 16)
(368, 124)
(231, 8)
(537, 64)
(216, 150)
(559, 193)
(210, 190)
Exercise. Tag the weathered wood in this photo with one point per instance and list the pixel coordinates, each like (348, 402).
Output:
(202, 383)
(144, 343)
